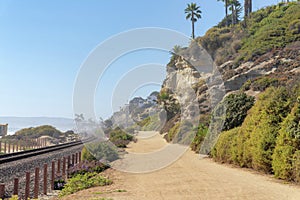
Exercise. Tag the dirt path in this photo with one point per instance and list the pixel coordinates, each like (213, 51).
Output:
(189, 178)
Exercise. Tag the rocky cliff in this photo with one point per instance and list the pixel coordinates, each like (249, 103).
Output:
(135, 111)
(248, 57)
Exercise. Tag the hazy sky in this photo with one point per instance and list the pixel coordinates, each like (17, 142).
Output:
(44, 43)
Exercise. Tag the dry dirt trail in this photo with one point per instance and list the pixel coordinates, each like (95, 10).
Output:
(189, 178)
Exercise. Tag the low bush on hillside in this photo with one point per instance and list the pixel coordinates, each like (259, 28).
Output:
(286, 157)
(225, 149)
(87, 166)
(151, 123)
(103, 151)
(199, 137)
(252, 144)
(173, 132)
(107, 150)
(83, 181)
(246, 86)
(269, 28)
(262, 83)
(237, 106)
(119, 137)
(169, 124)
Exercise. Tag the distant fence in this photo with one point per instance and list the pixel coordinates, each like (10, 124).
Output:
(21, 145)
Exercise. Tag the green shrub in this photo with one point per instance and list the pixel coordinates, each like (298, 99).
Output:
(236, 46)
(199, 137)
(224, 148)
(86, 155)
(151, 123)
(264, 82)
(144, 122)
(285, 163)
(216, 39)
(81, 182)
(104, 151)
(163, 96)
(230, 146)
(237, 106)
(253, 143)
(246, 86)
(173, 132)
(296, 166)
(272, 107)
(268, 29)
(294, 26)
(120, 138)
(14, 197)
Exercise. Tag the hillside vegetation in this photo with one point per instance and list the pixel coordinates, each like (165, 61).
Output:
(273, 27)
(269, 138)
(259, 60)
(107, 151)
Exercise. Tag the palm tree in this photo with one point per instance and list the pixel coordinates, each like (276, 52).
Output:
(79, 117)
(176, 50)
(193, 13)
(235, 8)
(226, 10)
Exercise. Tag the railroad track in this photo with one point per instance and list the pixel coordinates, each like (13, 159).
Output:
(6, 158)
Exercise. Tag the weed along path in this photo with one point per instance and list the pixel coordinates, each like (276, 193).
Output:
(188, 178)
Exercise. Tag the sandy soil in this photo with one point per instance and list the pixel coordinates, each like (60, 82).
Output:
(189, 178)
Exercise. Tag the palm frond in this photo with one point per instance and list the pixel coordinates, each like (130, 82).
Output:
(188, 16)
(197, 15)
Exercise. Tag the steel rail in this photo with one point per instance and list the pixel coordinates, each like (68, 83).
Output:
(5, 158)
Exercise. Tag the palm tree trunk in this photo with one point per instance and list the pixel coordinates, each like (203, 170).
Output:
(193, 29)
(246, 8)
(226, 11)
(193, 26)
(235, 12)
(250, 6)
(232, 14)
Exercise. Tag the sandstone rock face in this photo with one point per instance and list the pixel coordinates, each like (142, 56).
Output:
(210, 86)
(196, 85)
(179, 82)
